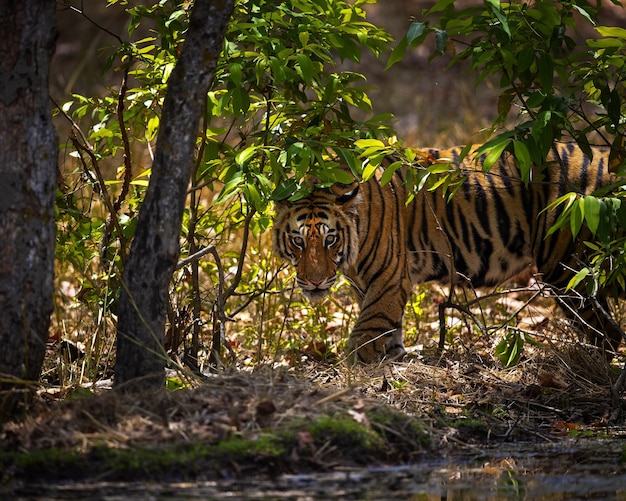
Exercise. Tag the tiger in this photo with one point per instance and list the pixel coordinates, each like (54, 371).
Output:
(492, 229)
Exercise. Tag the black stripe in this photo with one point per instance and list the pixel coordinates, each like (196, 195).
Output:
(503, 221)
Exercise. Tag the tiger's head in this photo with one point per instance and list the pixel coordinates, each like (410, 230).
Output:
(318, 235)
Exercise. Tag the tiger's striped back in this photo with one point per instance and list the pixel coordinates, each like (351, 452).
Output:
(496, 226)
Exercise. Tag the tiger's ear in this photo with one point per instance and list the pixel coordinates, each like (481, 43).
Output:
(347, 197)
(280, 206)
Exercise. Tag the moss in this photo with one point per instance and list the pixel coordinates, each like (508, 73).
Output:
(468, 423)
(48, 463)
(470, 428)
(405, 433)
(390, 435)
(347, 435)
(164, 461)
(239, 448)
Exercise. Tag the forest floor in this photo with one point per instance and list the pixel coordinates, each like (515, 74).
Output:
(318, 417)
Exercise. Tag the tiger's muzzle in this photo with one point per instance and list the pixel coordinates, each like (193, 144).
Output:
(315, 290)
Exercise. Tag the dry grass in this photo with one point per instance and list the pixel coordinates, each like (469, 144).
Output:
(547, 393)
(430, 405)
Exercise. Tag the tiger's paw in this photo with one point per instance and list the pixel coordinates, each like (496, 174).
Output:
(366, 350)
(395, 353)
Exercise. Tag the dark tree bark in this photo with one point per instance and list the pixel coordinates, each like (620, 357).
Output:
(28, 167)
(154, 252)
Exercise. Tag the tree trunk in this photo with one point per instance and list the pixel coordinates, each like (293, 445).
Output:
(28, 169)
(155, 249)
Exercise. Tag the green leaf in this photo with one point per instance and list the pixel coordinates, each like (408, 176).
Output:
(522, 155)
(347, 157)
(614, 106)
(509, 350)
(388, 173)
(577, 216)
(175, 383)
(371, 148)
(583, 13)
(369, 143)
(535, 99)
(252, 195)
(605, 43)
(525, 59)
(369, 170)
(244, 155)
(241, 100)
(306, 68)
(236, 74)
(465, 151)
(229, 188)
(397, 54)
(592, 207)
(284, 190)
(543, 119)
(341, 176)
(441, 39)
(494, 154)
(568, 201)
(416, 30)
(140, 182)
(579, 277)
(152, 127)
(612, 31)
(439, 168)
(504, 22)
(545, 65)
(440, 6)
(303, 36)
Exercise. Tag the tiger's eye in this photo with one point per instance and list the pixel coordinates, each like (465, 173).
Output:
(330, 240)
(297, 241)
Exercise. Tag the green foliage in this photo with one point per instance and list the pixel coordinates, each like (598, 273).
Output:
(558, 88)
(280, 113)
(439, 173)
(292, 110)
(542, 71)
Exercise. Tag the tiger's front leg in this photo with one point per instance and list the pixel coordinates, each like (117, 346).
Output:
(378, 332)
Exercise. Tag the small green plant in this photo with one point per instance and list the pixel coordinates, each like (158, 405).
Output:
(414, 318)
(510, 349)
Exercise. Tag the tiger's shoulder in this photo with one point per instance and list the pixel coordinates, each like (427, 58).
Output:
(566, 151)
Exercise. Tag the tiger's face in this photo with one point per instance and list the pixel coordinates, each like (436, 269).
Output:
(318, 236)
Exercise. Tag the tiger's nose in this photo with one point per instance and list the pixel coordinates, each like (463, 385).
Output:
(317, 283)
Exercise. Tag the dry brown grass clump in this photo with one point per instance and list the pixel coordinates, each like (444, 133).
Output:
(466, 396)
